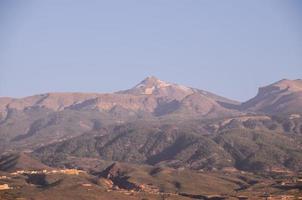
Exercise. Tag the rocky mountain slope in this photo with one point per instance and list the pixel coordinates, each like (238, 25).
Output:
(284, 96)
(38, 120)
(159, 123)
(252, 145)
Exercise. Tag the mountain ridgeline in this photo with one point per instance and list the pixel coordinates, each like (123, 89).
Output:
(160, 124)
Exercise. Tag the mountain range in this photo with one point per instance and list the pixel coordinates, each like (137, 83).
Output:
(151, 99)
(156, 126)
(160, 98)
(151, 110)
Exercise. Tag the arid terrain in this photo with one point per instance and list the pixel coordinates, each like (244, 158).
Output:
(157, 140)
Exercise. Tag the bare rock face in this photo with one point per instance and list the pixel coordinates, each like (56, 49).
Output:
(284, 96)
(118, 178)
(112, 171)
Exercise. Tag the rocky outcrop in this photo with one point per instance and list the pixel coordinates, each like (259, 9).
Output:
(282, 97)
(118, 178)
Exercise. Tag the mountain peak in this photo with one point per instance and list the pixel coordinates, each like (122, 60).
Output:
(151, 83)
(151, 78)
(291, 85)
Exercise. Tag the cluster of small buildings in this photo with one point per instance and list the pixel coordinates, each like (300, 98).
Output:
(60, 171)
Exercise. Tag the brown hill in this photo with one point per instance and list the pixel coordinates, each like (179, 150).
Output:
(282, 97)
(11, 162)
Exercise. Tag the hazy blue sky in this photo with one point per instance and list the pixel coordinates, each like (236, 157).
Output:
(229, 47)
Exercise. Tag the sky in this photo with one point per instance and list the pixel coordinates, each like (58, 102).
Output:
(229, 47)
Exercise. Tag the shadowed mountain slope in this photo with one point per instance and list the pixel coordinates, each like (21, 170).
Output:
(242, 144)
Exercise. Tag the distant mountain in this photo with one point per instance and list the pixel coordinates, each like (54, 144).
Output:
(181, 100)
(150, 97)
(156, 98)
(282, 97)
(154, 86)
